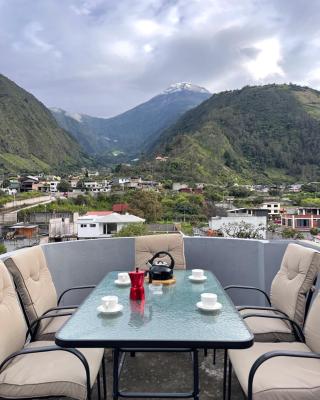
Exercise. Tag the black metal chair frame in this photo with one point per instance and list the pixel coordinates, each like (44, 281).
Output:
(77, 354)
(264, 357)
(34, 326)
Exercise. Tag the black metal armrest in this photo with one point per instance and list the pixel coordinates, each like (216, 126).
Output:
(44, 349)
(75, 288)
(241, 308)
(249, 288)
(295, 327)
(271, 354)
(60, 308)
(33, 328)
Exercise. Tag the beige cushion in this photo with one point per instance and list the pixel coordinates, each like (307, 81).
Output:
(268, 329)
(13, 327)
(147, 246)
(312, 326)
(280, 378)
(298, 269)
(33, 281)
(49, 374)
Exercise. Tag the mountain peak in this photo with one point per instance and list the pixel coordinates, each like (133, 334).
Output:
(185, 86)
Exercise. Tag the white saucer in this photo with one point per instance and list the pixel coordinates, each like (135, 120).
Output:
(120, 283)
(216, 307)
(115, 310)
(193, 279)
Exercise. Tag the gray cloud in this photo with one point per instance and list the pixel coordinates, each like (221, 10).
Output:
(102, 57)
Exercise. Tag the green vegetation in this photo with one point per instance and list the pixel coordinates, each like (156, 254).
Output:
(314, 231)
(152, 206)
(290, 233)
(132, 230)
(3, 248)
(30, 138)
(64, 186)
(256, 134)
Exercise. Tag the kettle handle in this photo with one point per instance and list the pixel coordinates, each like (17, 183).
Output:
(171, 266)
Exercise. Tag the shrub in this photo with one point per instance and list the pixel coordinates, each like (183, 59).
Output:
(132, 230)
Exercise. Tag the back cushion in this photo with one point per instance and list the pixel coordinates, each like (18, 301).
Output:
(33, 281)
(312, 327)
(147, 246)
(298, 270)
(13, 328)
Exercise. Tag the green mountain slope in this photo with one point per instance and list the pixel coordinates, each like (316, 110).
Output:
(30, 138)
(267, 133)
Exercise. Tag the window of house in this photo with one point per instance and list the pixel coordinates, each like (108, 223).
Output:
(92, 225)
(289, 222)
(83, 225)
(303, 223)
(111, 228)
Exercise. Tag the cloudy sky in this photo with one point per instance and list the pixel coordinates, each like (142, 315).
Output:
(102, 57)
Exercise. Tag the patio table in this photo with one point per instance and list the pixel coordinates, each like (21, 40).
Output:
(165, 322)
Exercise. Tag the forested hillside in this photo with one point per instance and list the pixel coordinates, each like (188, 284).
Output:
(261, 133)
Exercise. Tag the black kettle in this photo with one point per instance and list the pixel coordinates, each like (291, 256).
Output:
(160, 270)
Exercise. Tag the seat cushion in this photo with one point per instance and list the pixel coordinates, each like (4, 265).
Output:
(33, 281)
(268, 329)
(54, 374)
(148, 246)
(298, 269)
(13, 327)
(282, 378)
(47, 331)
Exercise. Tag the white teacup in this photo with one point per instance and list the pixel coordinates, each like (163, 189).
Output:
(197, 273)
(123, 277)
(208, 299)
(110, 302)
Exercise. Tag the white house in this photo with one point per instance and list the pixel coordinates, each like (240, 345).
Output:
(97, 224)
(53, 186)
(272, 207)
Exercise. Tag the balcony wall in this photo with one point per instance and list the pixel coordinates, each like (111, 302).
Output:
(233, 261)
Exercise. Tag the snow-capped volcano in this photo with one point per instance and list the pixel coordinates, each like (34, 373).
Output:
(181, 86)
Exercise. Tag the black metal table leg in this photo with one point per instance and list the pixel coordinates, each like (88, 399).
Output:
(104, 378)
(115, 374)
(229, 378)
(224, 390)
(195, 374)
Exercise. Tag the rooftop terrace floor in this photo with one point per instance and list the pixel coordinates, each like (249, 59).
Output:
(170, 372)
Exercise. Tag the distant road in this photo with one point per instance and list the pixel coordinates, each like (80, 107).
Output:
(10, 217)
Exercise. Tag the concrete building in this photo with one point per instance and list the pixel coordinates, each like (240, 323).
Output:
(257, 212)
(98, 224)
(272, 207)
(305, 219)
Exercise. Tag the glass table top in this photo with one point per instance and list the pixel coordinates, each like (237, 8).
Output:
(167, 320)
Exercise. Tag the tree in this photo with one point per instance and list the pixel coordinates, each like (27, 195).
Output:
(3, 248)
(290, 233)
(239, 191)
(243, 230)
(64, 186)
(132, 230)
(213, 194)
(146, 205)
(314, 231)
